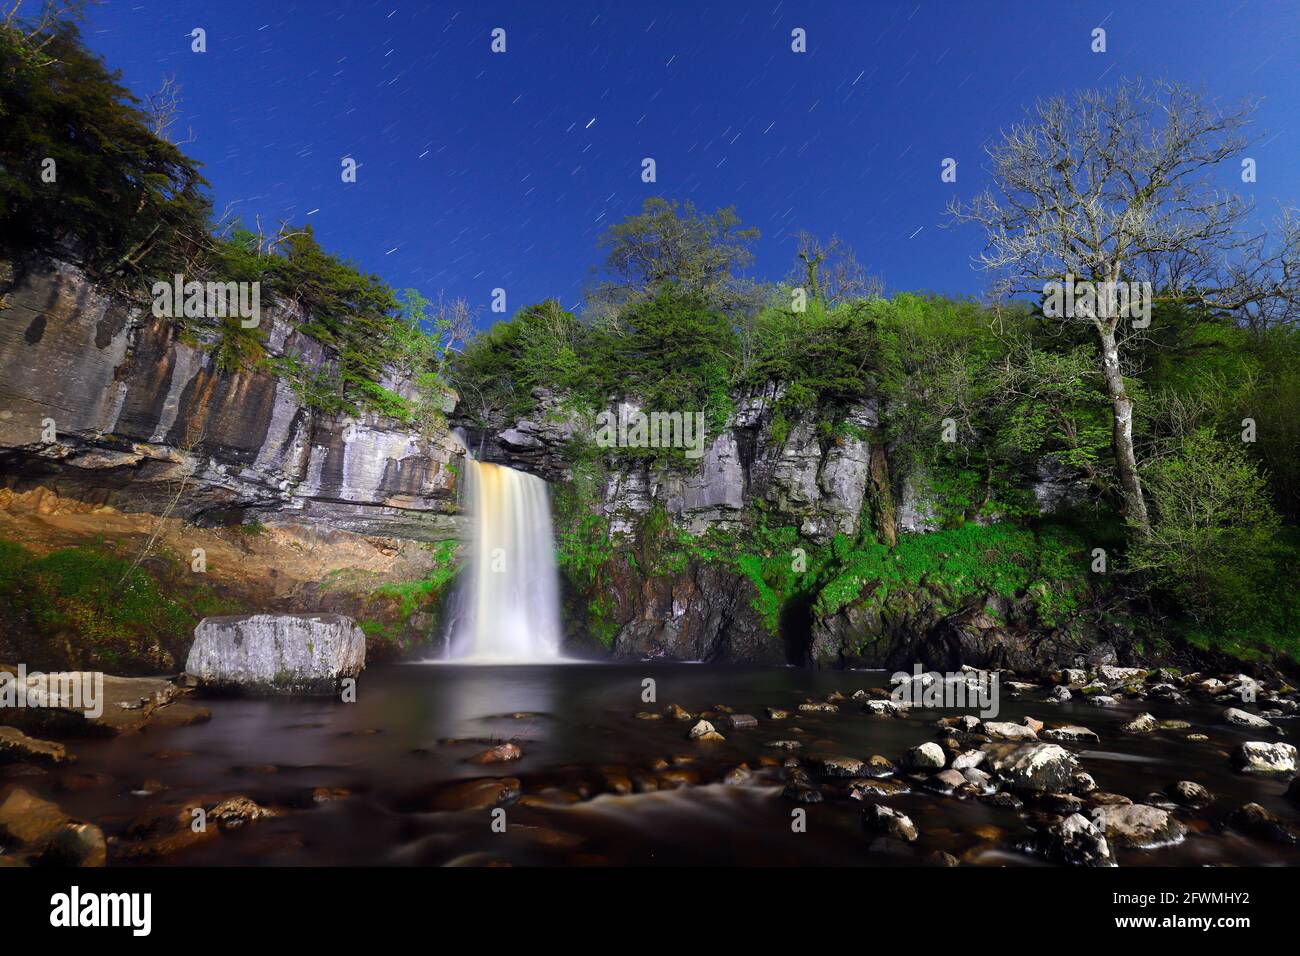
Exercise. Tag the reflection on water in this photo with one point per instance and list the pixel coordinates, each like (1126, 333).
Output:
(390, 755)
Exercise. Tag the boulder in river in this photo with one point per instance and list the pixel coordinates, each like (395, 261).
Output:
(276, 653)
(837, 765)
(889, 821)
(1141, 724)
(1254, 820)
(926, 756)
(1139, 825)
(1189, 793)
(1075, 841)
(1005, 730)
(1242, 718)
(1259, 756)
(1033, 767)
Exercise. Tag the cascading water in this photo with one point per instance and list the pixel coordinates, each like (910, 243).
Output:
(508, 607)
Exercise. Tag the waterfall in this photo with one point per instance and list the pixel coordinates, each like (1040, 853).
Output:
(508, 607)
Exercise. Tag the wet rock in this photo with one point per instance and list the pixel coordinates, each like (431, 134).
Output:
(1002, 730)
(29, 821)
(502, 753)
(17, 747)
(1071, 735)
(1141, 724)
(968, 759)
(1061, 694)
(740, 776)
(235, 812)
(1241, 718)
(926, 756)
(882, 819)
(476, 794)
(942, 858)
(776, 713)
(1120, 675)
(1254, 820)
(976, 778)
(704, 731)
(1033, 767)
(1188, 793)
(879, 766)
(77, 844)
(864, 788)
(885, 708)
(1174, 725)
(1075, 841)
(947, 780)
(1082, 782)
(277, 653)
(740, 721)
(1139, 825)
(783, 744)
(1258, 756)
(1003, 801)
(836, 765)
(1102, 700)
(1101, 798)
(673, 712)
(1034, 724)
(815, 707)
(648, 715)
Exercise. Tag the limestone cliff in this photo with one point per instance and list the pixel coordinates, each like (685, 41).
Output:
(103, 402)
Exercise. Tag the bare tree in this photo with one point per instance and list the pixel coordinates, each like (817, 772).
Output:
(1114, 186)
(164, 107)
(831, 273)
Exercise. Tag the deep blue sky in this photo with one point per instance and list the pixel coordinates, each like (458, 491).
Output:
(480, 170)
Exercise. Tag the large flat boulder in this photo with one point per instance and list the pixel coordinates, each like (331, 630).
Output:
(276, 653)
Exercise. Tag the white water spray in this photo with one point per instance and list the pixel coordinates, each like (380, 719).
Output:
(509, 607)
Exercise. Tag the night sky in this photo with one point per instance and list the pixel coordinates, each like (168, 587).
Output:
(479, 170)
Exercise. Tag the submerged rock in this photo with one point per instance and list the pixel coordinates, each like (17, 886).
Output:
(17, 747)
(277, 653)
(502, 753)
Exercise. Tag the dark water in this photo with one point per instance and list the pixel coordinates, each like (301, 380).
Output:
(387, 751)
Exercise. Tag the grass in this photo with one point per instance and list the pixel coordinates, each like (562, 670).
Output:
(86, 607)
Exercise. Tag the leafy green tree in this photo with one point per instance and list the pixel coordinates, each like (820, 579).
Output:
(1212, 542)
(128, 202)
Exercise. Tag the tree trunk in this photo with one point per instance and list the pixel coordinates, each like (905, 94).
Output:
(882, 496)
(1135, 506)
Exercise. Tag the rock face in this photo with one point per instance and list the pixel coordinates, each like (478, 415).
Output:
(135, 411)
(702, 613)
(276, 653)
